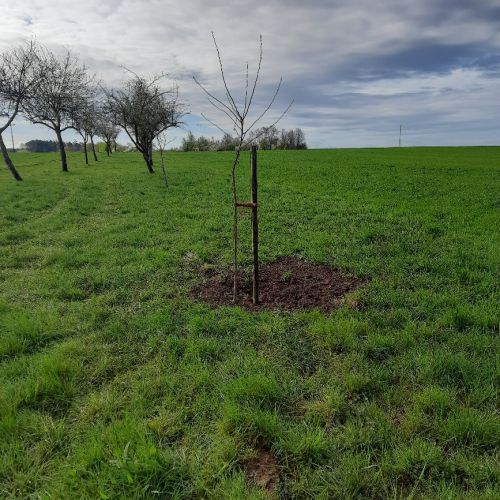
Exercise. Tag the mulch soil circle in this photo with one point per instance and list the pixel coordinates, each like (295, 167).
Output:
(286, 284)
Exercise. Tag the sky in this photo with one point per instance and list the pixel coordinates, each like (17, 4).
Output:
(356, 69)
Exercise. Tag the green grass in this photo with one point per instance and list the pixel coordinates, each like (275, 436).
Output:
(115, 384)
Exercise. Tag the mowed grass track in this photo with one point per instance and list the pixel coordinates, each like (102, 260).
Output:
(115, 384)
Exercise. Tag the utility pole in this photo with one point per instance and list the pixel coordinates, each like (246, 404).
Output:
(12, 137)
(400, 129)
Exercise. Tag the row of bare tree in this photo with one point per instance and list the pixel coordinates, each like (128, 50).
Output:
(61, 94)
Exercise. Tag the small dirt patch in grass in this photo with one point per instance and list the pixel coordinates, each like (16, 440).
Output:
(286, 284)
(262, 470)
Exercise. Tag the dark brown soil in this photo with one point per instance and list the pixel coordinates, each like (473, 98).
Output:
(262, 470)
(287, 284)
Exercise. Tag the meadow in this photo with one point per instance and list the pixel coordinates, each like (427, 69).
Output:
(115, 383)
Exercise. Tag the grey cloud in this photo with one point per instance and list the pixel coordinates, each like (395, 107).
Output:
(351, 65)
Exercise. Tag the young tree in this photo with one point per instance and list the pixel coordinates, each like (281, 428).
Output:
(17, 79)
(85, 137)
(108, 132)
(144, 111)
(242, 124)
(162, 143)
(86, 121)
(92, 132)
(63, 87)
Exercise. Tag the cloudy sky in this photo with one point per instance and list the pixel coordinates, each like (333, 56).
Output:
(357, 69)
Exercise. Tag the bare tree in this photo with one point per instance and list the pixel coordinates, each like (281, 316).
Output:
(17, 79)
(86, 121)
(162, 143)
(63, 87)
(242, 124)
(144, 111)
(78, 126)
(92, 132)
(107, 131)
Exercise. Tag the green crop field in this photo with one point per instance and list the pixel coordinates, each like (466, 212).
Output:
(114, 383)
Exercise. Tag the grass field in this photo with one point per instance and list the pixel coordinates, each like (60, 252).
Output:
(115, 384)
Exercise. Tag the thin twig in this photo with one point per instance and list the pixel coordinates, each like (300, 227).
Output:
(268, 106)
(272, 124)
(245, 113)
(214, 97)
(228, 93)
(214, 124)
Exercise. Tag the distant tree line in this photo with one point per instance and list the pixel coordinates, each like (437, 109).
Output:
(264, 138)
(43, 146)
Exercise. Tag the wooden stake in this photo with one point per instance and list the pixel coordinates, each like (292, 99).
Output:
(255, 229)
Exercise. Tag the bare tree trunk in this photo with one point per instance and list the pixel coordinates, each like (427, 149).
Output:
(93, 148)
(8, 161)
(150, 165)
(164, 169)
(149, 161)
(147, 154)
(115, 146)
(62, 151)
(108, 148)
(86, 154)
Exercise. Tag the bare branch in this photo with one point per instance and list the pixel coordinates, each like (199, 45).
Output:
(214, 124)
(211, 96)
(272, 124)
(247, 109)
(228, 93)
(267, 108)
(246, 89)
(233, 120)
